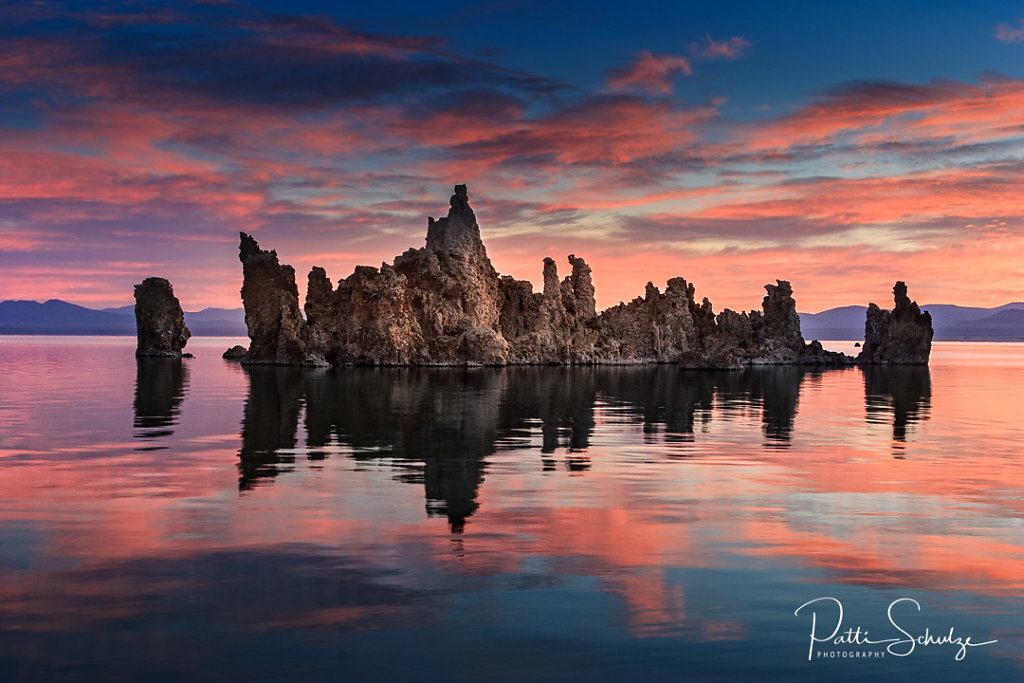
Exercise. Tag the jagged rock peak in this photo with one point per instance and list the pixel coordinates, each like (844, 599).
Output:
(159, 320)
(458, 233)
(247, 246)
(271, 301)
(782, 323)
(780, 289)
(444, 304)
(460, 200)
(901, 336)
(900, 298)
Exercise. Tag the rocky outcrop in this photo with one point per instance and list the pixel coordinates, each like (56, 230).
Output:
(557, 325)
(658, 326)
(159, 320)
(272, 316)
(439, 304)
(444, 304)
(673, 327)
(236, 352)
(900, 336)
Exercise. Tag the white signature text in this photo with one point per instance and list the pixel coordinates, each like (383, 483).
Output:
(899, 646)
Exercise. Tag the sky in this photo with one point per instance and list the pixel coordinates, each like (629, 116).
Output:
(840, 146)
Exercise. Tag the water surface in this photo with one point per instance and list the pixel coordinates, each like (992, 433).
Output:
(193, 519)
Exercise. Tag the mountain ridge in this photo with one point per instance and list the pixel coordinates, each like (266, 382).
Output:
(58, 317)
(950, 321)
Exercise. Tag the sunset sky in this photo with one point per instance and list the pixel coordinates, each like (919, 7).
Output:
(839, 146)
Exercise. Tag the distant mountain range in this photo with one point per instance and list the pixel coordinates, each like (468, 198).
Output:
(60, 317)
(952, 323)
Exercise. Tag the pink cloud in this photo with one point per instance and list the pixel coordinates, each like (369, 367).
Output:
(872, 112)
(650, 73)
(724, 49)
(883, 200)
(1008, 34)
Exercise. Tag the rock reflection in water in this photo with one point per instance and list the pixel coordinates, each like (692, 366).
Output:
(681, 400)
(444, 422)
(904, 391)
(778, 392)
(269, 422)
(160, 385)
(440, 425)
(563, 400)
(445, 419)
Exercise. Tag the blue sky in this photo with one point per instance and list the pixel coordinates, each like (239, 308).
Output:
(840, 146)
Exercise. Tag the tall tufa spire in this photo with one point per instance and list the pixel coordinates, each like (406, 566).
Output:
(458, 233)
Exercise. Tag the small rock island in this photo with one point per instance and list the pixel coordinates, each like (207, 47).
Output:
(900, 336)
(444, 304)
(159, 320)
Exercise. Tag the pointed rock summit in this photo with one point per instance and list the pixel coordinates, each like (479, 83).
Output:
(444, 304)
(457, 233)
(271, 302)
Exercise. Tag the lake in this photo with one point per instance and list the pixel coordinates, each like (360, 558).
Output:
(196, 520)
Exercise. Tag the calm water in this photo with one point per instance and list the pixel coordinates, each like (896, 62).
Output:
(168, 520)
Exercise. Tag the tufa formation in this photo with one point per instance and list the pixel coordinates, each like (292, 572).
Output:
(159, 320)
(444, 304)
(900, 336)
